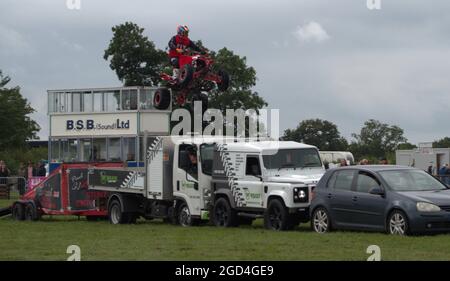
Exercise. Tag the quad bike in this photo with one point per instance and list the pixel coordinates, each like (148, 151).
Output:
(195, 76)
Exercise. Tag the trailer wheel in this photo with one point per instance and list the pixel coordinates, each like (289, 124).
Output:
(184, 216)
(18, 212)
(224, 215)
(31, 213)
(115, 214)
(277, 217)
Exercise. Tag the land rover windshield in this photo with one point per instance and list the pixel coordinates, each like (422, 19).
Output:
(293, 158)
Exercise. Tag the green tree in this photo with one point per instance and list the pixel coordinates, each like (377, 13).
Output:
(15, 124)
(321, 133)
(134, 57)
(406, 146)
(242, 79)
(377, 139)
(442, 143)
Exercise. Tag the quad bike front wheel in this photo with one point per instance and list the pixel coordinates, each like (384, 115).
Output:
(186, 75)
(161, 98)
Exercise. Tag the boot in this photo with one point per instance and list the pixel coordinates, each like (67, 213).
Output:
(175, 74)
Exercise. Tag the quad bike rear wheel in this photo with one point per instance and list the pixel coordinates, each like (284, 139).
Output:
(161, 98)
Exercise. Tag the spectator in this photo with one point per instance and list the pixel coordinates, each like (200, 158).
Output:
(21, 182)
(383, 161)
(342, 163)
(443, 171)
(364, 162)
(22, 171)
(430, 168)
(447, 175)
(41, 171)
(4, 172)
(31, 171)
(326, 165)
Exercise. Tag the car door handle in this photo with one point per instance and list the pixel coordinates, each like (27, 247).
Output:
(329, 196)
(354, 198)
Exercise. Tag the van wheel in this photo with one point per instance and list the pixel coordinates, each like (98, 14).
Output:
(184, 216)
(277, 216)
(18, 212)
(115, 214)
(224, 215)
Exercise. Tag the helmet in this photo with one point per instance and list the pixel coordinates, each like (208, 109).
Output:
(182, 30)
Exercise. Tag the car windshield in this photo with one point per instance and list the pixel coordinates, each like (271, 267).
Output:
(411, 180)
(293, 158)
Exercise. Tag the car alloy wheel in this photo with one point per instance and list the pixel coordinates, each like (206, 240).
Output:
(397, 224)
(320, 221)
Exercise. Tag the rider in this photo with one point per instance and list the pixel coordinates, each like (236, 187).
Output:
(177, 44)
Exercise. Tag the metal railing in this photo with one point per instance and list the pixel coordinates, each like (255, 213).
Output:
(11, 184)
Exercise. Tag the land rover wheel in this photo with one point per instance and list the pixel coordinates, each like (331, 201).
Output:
(224, 215)
(277, 216)
(320, 221)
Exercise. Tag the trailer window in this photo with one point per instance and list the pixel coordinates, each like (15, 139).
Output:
(129, 149)
(129, 99)
(146, 99)
(206, 155)
(87, 102)
(114, 149)
(112, 101)
(99, 150)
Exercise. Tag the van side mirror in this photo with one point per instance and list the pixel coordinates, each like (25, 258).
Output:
(377, 191)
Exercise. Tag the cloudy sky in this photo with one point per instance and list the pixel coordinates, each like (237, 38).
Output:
(335, 60)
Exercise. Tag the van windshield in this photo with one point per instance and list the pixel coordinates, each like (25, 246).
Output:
(293, 158)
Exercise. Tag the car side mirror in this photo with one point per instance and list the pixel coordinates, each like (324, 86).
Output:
(377, 191)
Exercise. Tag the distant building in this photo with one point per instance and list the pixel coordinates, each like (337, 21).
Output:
(423, 157)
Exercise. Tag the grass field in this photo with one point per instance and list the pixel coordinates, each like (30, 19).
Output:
(49, 238)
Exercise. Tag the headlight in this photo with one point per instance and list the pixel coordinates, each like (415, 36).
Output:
(427, 207)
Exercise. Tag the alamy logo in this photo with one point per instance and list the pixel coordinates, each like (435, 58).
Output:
(75, 253)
